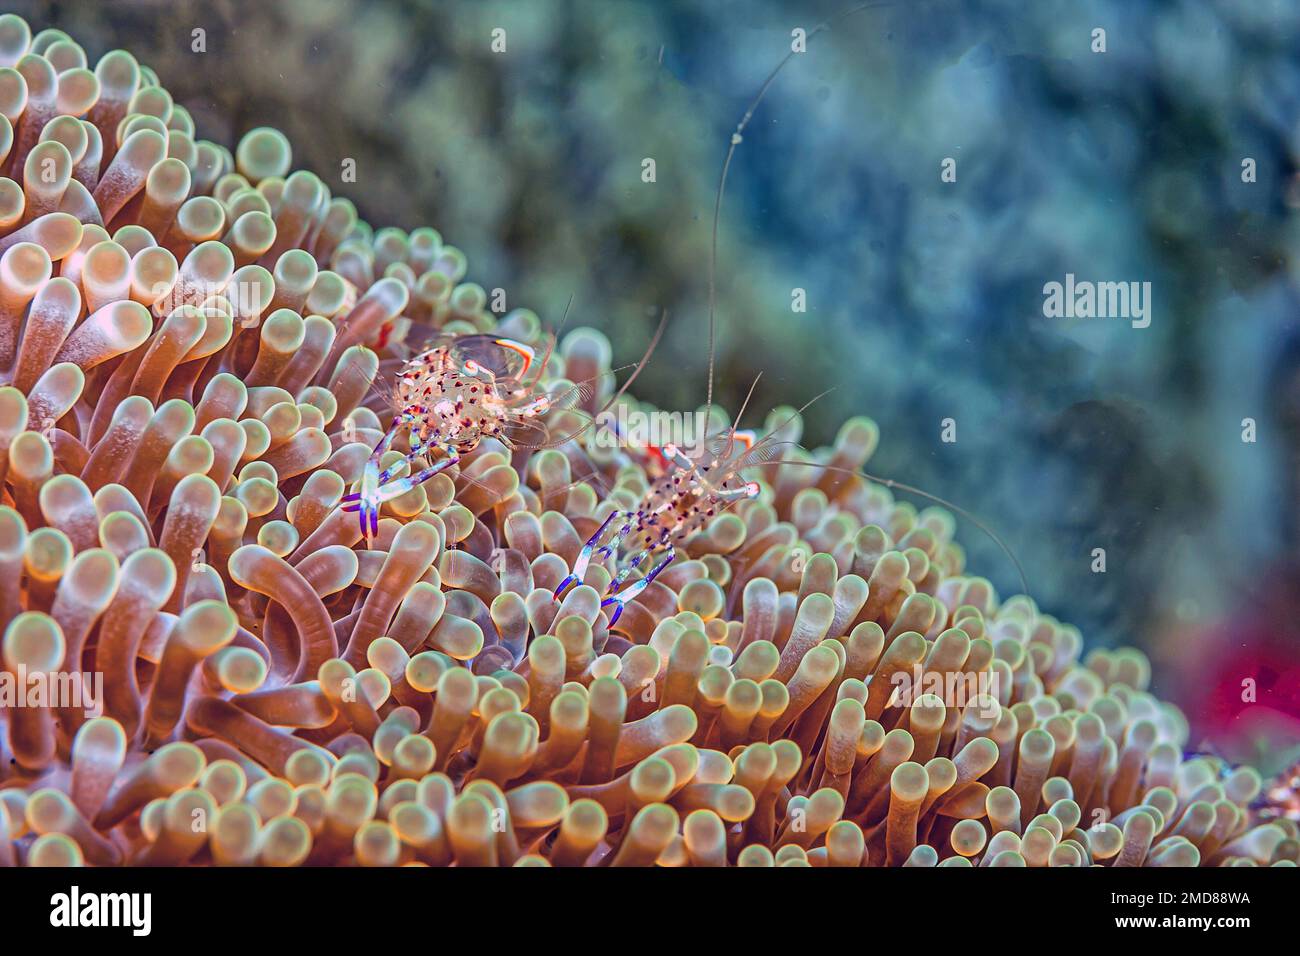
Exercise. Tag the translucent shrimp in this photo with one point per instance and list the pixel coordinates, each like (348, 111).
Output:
(457, 392)
(689, 495)
(678, 505)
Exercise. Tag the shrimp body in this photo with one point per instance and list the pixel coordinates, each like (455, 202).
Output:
(448, 398)
(686, 498)
(677, 505)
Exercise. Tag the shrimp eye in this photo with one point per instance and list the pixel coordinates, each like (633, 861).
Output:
(751, 489)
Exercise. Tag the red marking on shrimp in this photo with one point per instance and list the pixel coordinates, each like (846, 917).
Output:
(448, 401)
(679, 504)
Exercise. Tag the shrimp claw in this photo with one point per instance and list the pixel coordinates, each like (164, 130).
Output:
(584, 558)
(378, 487)
(630, 593)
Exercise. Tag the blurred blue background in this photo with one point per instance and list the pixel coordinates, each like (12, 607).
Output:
(924, 297)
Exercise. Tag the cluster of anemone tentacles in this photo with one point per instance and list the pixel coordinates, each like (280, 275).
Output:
(194, 630)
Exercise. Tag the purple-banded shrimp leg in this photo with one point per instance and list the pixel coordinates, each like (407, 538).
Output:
(620, 599)
(389, 487)
(635, 563)
(584, 558)
(622, 575)
(617, 540)
(366, 500)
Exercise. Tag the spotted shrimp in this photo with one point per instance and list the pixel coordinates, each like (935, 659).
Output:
(459, 391)
(690, 493)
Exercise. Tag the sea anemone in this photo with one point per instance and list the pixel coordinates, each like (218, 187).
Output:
(194, 629)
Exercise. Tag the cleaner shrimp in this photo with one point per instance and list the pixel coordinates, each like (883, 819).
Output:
(691, 492)
(459, 391)
(689, 495)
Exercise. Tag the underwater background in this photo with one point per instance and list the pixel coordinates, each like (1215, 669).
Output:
(924, 298)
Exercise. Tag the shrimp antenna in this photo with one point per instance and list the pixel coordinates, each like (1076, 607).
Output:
(378, 386)
(550, 346)
(654, 343)
(792, 416)
(565, 317)
(891, 483)
(731, 432)
(737, 137)
(745, 404)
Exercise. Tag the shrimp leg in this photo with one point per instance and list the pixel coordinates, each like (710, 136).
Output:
(384, 487)
(630, 593)
(584, 558)
(366, 500)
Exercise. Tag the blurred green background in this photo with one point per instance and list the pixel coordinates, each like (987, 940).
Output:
(924, 298)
